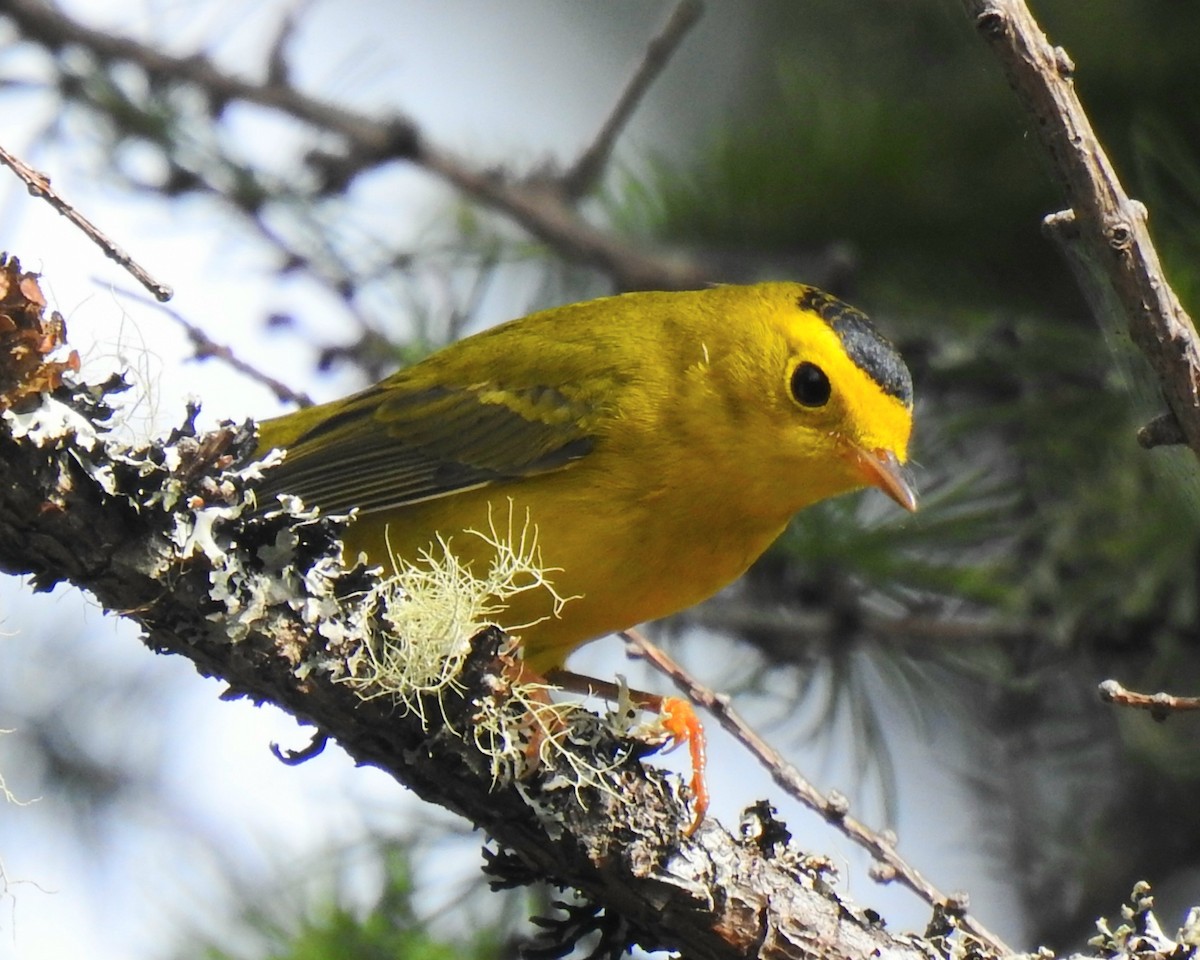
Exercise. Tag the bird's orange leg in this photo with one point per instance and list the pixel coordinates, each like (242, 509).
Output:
(678, 719)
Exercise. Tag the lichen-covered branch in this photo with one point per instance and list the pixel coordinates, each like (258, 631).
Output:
(161, 535)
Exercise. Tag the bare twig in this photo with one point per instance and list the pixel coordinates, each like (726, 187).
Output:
(206, 347)
(1160, 705)
(38, 185)
(278, 68)
(542, 207)
(1104, 232)
(833, 808)
(591, 163)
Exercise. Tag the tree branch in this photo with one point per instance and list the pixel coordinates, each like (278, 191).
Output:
(204, 347)
(1104, 233)
(1160, 705)
(157, 534)
(38, 185)
(543, 206)
(833, 807)
(588, 168)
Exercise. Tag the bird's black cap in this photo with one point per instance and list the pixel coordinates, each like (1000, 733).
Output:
(871, 352)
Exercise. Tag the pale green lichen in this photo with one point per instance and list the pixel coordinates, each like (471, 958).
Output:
(431, 610)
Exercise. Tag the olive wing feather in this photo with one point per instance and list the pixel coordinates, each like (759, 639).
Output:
(395, 445)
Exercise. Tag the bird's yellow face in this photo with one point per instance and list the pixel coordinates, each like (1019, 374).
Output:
(847, 394)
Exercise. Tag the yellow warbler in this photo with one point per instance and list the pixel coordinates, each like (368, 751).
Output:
(654, 444)
(651, 445)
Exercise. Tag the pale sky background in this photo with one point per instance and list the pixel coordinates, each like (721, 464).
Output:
(513, 82)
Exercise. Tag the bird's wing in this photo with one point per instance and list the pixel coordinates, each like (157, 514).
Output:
(399, 444)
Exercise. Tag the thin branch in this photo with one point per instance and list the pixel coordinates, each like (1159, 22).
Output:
(833, 808)
(278, 68)
(588, 168)
(1104, 233)
(205, 347)
(542, 207)
(38, 185)
(1160, 705)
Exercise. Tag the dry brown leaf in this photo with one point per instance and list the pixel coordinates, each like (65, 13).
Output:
(27, 338)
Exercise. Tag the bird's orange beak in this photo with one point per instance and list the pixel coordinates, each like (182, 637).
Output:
(880, 468)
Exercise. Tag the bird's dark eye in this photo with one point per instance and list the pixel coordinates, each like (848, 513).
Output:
(810, 386)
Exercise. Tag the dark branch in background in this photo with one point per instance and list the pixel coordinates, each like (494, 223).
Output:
(205, 347)
(545, 208)
(889, 865)
(38, 185)
(278, 69)
(1104, 233)
(587, 170)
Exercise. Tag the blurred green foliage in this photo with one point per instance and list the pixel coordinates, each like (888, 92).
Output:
(389, 929)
